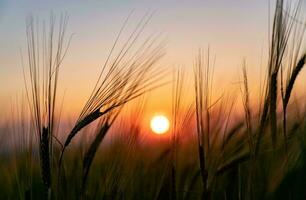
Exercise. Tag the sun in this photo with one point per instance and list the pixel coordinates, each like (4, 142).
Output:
(159, 124)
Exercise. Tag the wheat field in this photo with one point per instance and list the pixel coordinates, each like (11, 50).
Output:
(211, 150)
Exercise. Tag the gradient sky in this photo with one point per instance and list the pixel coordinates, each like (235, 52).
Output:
(234, 30)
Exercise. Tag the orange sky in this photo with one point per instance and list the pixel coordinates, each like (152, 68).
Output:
(234, 30)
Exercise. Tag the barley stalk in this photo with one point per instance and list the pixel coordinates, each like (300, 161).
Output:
(122, 78)
(203, 86)
(281, 33)
(247, 110)
(45, 160)
(89, 155)
(45, 56)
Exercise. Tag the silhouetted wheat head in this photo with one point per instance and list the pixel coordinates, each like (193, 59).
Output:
(203, 83)
(124, 77)
(282, 30)
(46, 51)
(213, 151)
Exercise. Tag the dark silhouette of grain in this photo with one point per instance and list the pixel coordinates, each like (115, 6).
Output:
(45, 159)
(202, 85)
(89, 155)
(281, 33)
(45, 56)
(122, 79)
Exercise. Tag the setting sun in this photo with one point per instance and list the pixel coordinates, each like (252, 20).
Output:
(159, 124)
(153, 99)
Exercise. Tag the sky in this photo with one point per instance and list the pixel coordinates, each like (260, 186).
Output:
(233, 30)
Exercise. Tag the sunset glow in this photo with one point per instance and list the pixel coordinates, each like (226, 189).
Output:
(159, 124)
(192, 99)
